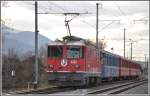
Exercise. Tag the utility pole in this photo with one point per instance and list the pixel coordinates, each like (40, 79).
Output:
(124, 42)
(131, 50)
(145, 59)
(36, 45)
(13, 77)
(146, 66)
(97, 7)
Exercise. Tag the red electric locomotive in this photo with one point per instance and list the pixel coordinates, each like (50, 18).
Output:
(73, 62)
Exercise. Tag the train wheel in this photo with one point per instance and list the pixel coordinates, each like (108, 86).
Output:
(86, 82)
(93, 80)
(96, 80)
(99, 81)
(90, 81)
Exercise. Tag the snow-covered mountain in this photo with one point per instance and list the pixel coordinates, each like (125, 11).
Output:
(20, 41)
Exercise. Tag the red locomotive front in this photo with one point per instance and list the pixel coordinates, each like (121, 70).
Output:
(66, 57)
(72, 63)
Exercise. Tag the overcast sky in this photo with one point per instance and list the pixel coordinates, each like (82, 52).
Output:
(20, 15)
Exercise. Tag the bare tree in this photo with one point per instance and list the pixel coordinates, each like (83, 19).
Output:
(101, 44)
(42, 65)
(10, 63)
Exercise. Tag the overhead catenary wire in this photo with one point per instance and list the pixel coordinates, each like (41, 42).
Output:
(58, 6)
(106, 26)
(121, 11)
(81, 20)
(93, 26)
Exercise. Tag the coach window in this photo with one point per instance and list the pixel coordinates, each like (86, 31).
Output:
(116, 62)
(109, 60)
(128, 64)
(121, 63)
(54, 51)
(113, 61)
(106, 59)
(109, 64)
(125, 63)
(131, 65)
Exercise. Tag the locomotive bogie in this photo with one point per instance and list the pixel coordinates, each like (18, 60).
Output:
(69, 79)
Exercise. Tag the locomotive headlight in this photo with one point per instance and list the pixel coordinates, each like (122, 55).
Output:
(77, 65)
(50, 66)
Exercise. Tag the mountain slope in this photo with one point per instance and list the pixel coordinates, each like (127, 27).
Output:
(21, 41)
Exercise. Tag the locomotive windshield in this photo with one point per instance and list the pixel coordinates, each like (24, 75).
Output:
(55, 51)
(74, 52)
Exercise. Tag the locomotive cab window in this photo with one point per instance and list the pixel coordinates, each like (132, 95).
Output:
(54, 51)
(74, 52)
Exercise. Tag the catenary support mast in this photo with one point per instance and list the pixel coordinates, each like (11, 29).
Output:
(97, 6)
(36, 45)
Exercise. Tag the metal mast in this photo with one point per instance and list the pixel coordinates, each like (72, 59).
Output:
(131, 50)
(124, 43)
(97, 6)
(36, 45)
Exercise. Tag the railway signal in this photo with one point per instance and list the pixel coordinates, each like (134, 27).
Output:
(13, 78)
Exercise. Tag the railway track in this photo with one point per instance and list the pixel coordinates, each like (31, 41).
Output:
(118, 88)
(48, 90)
(95, 90)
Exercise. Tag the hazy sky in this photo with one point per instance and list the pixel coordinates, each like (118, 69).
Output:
(20, 15)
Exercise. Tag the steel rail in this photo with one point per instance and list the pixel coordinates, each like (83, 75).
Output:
(112, 88)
